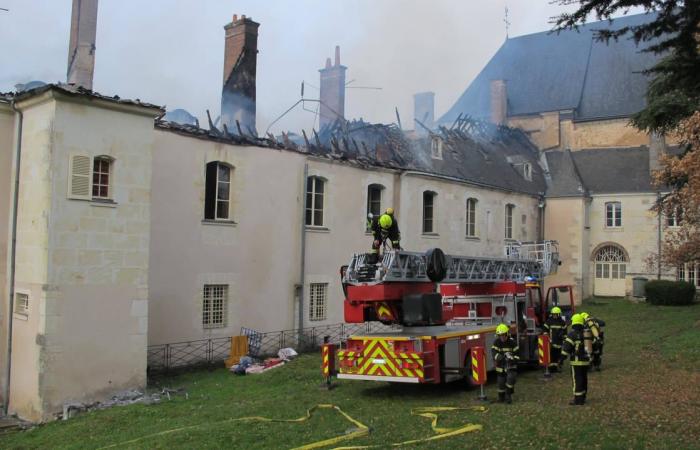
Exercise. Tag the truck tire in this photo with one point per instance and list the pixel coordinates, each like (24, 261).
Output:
(436, 265)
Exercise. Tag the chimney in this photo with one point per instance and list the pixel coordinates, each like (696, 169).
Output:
(499, 102)
(424, 110)
(332, 91)
(81, 49)
(657, 148)
(240, 61)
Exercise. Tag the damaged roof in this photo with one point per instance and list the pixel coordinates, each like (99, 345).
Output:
(563, 71)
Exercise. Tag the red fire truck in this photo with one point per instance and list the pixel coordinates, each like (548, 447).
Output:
(441, 306)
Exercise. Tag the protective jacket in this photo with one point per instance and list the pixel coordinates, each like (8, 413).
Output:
(505, 354)
(555, 327)
(575, 348)
(392, 233)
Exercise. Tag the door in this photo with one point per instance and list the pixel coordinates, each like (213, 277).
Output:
(610, 272)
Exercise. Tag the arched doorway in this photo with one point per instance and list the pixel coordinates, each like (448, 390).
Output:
(610, 270)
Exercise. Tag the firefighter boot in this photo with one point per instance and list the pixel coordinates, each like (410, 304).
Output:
(573, 402)
(509, 399)
(501, 397)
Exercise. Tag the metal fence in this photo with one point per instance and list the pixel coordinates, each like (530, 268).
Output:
(212, 352)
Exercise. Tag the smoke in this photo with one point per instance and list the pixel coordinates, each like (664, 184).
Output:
(170, 52)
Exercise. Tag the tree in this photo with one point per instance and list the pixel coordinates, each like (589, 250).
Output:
(674, 32)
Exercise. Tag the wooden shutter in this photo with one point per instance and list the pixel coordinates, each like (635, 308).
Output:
(80, 177)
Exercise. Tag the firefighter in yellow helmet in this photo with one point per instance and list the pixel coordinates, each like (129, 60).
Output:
(384, 228)
(505, 355)
(575, 348)
(593, 330)
(555, 327)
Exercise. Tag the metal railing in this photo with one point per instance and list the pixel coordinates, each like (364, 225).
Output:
(177, 356)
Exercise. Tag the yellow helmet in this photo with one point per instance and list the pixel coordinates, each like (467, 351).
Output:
(390, 211)
(577, 319)
(385, 221)
(556, 310)
(502, 329)
(584, 315)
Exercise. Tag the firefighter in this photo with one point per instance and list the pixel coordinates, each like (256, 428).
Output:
(575, 348)
(505, 355)
(555, 327)
(384, 228)
(597, 335)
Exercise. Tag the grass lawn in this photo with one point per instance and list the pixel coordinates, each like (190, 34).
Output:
(647, 396)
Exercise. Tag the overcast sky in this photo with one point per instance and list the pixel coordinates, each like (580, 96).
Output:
(170, 52)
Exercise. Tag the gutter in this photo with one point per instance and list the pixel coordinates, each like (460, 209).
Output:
(302, 263)
(461, 181)
(13, 253)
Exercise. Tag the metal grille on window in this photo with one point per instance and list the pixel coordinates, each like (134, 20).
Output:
(613, 214)
(471, 217)
(21, 303)
(100, 177)
(428, 209)
(314, 201)
(318, 298)
(214, 304)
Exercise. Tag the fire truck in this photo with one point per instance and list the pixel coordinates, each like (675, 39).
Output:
(440, 306)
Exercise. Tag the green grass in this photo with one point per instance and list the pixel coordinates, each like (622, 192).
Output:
(648, 395)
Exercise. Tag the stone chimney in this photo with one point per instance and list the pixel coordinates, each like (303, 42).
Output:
(657, 148)
(499, 102)
(240, 61)
(332, 91)
(424, 110)
(81, 49)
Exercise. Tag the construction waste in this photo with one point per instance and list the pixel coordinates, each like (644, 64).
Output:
(247, 365)
(121, 399)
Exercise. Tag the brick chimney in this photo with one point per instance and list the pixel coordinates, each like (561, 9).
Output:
(657, 148)
(424, 110)
(240, 61)
(332, 91)
(81, 49)
(499, 102)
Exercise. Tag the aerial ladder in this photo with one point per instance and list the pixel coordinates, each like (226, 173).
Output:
(439, 307)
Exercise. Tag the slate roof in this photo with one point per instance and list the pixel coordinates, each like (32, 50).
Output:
(599, 171)
(566, 71)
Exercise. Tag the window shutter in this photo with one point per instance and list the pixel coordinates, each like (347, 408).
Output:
(80, 179)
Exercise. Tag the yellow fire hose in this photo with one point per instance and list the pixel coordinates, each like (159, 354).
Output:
(360, 431)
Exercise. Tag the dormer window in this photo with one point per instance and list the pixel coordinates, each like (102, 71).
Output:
(436, 147)
(527, 171)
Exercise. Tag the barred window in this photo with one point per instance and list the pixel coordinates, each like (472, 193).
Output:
(214, 305)
(22, 304)
(318, 301)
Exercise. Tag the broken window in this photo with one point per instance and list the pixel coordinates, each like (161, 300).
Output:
(509, 221)
(315, 192)
(471, 217)
(214, 305)
(436, 147)
(318, 300)
(428, 211)
(217, 196)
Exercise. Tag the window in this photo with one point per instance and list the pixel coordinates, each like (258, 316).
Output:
(471, 217)
(315, 188)
(318, 299)
(436, 147)
(90, 178)
(428, 211)
(374, 201)
(509, 221)
(613, 214)
(22, 304)
(690, 272)
(674, 219)
(611, 263)
(214, 305)
(527, 171)
(217, 195)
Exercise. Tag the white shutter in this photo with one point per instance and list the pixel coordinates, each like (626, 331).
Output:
(80, 177)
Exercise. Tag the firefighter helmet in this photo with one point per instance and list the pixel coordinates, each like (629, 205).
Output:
(502, 329)
(584, 316)
(577, 319)
(385, 221)
(556, 310)
(390, 211)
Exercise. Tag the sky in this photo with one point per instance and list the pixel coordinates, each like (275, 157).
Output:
(170, 52)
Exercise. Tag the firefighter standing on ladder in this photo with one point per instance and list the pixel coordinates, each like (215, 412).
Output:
(555, 327)
(505, 355)
(384, 227)
(597, 335)
(575, 348)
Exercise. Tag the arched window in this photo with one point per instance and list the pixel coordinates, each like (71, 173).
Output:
(217, 196)
(315, 196)
(429, 211)
(610, 262)
(509, 221)
(471, 217)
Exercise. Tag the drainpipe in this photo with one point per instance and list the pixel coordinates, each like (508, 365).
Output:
(13, 252)
(658, 240)
(302, 263)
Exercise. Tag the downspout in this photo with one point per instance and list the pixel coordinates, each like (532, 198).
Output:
(658, 240)
(13, 253)
(302, 263)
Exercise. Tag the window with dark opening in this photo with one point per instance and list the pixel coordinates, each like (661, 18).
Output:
(428, 211)
(217, 197)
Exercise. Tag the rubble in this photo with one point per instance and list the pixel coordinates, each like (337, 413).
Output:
(121, 399)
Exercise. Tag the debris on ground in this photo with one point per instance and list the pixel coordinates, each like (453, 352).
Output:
(121, 399)
(287, 354)
(248, 365)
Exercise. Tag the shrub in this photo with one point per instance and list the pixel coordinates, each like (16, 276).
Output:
(665, 292)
